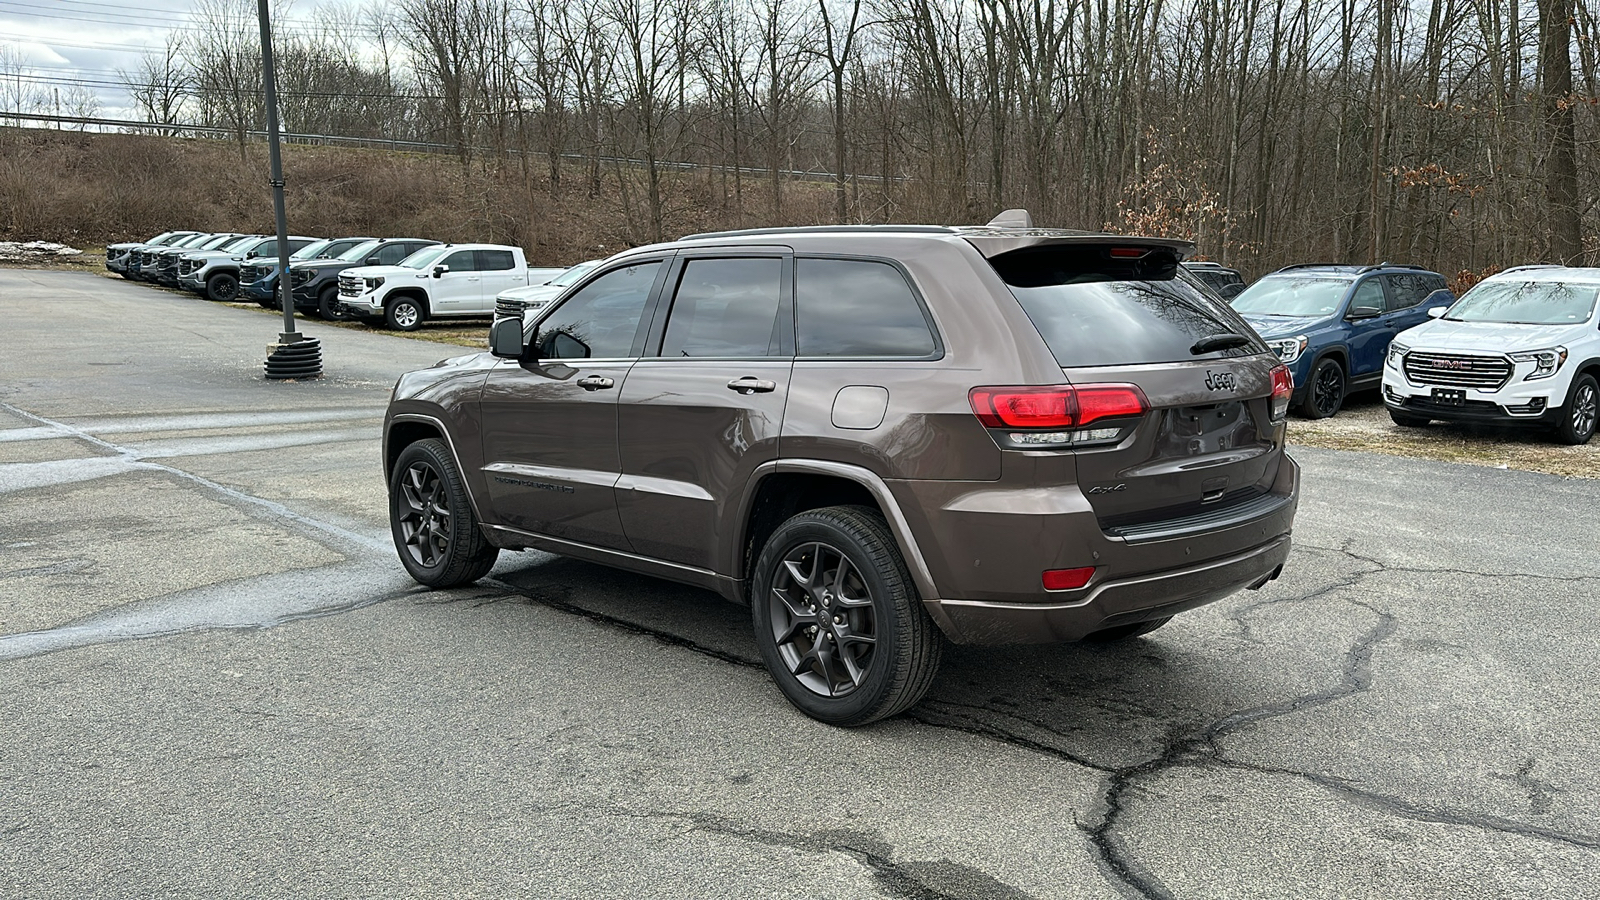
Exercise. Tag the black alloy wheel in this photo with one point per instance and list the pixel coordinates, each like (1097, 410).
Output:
(1325, 393)
(838, 620)
(431, 519)
(222, 287)
(1581, 413)
(823, 620)
(328, 305)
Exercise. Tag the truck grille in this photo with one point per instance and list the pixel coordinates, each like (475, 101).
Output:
(1484, 373)
(252, 274)
(349, 286)
(508, 309)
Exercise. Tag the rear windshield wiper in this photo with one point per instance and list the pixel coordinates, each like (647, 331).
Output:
(1225, 341)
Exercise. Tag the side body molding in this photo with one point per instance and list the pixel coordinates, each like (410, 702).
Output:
(861, 475)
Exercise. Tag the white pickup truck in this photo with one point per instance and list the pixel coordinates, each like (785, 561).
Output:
(442, 281)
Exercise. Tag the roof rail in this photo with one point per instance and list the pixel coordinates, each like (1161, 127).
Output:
(1532, 266)
(1315, 266)
(820, 229)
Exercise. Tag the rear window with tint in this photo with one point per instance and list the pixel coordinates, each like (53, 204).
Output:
(854, 307)
(1093, 310)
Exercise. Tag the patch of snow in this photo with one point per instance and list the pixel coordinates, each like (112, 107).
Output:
(12, 251)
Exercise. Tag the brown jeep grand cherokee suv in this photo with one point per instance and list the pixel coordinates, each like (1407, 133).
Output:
(872, 435)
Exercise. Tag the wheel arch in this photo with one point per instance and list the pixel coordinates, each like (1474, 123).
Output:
(783, 488)
(404, 429)
(415, 293)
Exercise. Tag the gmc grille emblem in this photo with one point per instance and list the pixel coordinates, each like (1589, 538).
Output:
(1452, 364)
(1221, 381)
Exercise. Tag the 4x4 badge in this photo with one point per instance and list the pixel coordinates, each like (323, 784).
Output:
(1221, 381)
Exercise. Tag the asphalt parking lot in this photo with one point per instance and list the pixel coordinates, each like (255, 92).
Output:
(216, 680)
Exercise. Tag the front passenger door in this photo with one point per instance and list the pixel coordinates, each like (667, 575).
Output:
(458, 289)
(550, 426)
(1369, 337)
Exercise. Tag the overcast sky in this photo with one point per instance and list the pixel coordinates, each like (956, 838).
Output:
(83, 44)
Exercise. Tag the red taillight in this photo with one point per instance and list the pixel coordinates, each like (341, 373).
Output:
(1128, 252)
(1062, 406)
(1282, 390)
(1067, 579)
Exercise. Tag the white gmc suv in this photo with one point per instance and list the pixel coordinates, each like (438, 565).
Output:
(1519, 348)
(435, 282)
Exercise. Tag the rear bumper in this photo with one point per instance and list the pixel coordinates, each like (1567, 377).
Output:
(1111, 603)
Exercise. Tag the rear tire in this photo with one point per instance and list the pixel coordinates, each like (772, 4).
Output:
(405, 314)
(222, 288)
(1406, 420)
(430, 516)
(1325, 391)
(838, 620)
(1124, 632)
(1581, 411)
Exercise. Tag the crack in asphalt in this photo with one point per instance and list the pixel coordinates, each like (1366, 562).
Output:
(1190, 746)
(910, 880)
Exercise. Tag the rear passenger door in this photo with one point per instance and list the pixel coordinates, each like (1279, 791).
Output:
(498, 269)
(704, 407)
(459, 288)
(1406, 293)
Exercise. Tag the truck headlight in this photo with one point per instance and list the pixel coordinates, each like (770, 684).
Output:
(1289, 349)
(374, 283)
(1545, 362)
(1397, 353)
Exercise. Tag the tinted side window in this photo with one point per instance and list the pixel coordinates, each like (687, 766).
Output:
(461, 261)
(391, 254)
(1406, 291)
(496, 260)
(849, 307)
(725, 307)
(265, 248)
(295, 245)
(602, 319)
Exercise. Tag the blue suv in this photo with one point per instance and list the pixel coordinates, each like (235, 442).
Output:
(1332, 324)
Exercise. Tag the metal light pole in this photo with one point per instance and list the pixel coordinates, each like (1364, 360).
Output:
(293, 356)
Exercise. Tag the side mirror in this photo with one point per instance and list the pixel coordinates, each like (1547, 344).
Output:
(373, 260)
(505, 339)
(1438, 311)
(438, 271)
(1365, 312)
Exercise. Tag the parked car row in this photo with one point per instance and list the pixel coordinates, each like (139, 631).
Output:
(1520, 348)
(397, 282)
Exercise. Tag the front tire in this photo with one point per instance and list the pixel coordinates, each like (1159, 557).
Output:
(837, 618)
(1406, 420)
(1581, 411)
(404, 314)
(328, 306)
(431, 519)
(1326, 391)
(222, 287)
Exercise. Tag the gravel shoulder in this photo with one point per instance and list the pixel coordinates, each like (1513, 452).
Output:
(1364, 424)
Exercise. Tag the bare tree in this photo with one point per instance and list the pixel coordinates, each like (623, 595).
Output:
(161, 84)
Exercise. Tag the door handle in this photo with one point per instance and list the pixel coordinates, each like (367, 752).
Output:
(749, 384)
(595, 383)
